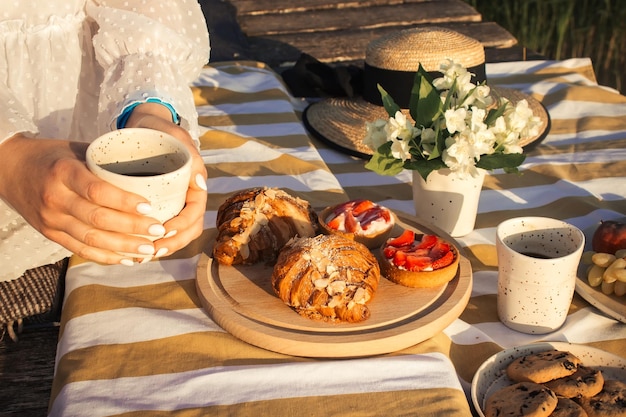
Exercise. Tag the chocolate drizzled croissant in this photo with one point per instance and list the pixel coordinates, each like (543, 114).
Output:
(254, 224)
(327, 277)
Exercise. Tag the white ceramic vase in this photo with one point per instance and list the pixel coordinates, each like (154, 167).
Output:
(446, 201)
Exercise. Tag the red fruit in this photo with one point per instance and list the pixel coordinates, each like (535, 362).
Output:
(343, 207)
(371, 215)
(416, 252)
(439, 249)
(427, 242)
(361, 206)
(389, 251)
(351, 223)
(609, 237)
(399, 258)
(444, 261)
(406, 238)
(336, 222)
(417, 263)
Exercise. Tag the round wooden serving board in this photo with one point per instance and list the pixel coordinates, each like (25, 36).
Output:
(240, 299)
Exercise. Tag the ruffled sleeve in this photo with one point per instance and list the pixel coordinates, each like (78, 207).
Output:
(14, 118)
(149, 50)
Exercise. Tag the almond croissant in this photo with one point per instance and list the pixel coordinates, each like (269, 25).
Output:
(327, 277)
(254, 224)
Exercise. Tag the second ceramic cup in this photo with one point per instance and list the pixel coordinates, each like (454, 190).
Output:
(537, 262)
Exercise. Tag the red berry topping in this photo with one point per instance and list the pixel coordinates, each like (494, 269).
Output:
(418, 252)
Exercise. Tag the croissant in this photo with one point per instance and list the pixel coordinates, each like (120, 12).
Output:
(254, 224)
(327, 277)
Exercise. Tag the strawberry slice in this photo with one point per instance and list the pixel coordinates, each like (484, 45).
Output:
(370, 216)
(427, 242)
(399, 258)
(343, 207)
(389, 251)
(417, 263)
(361, 206)
(439, 249)
(416, 252)
(406, 238)
(444, 261)
(336, 222)
(351, 223)
(385, 214)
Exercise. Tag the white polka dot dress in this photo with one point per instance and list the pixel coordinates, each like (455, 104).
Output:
(69, 67)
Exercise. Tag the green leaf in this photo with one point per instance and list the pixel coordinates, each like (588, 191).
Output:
(425, 102)
(415, 149)
(383, 163)
(513, 170)
(451, 94)
(388, 102)
(507, 161)
(440, 143)
(425, 167)
(494, 114)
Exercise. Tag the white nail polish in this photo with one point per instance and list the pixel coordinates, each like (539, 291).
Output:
(146, 249)
(144, 208)
(161, 252)
(170, 234)
(127, 262)
(156, 230)
(146, 260)
(201, 182)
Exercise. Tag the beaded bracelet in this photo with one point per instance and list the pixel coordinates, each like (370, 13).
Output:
(128, 110)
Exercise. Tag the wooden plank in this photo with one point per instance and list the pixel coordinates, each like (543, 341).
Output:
(251, 7)
(352, 18)
(514, 53)
(349, 45)
(26, 371)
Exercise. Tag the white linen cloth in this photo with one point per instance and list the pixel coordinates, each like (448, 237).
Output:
(69, 67)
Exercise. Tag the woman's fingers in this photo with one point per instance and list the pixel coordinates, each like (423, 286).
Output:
(189, 223)
(185, 227)
(118, 249)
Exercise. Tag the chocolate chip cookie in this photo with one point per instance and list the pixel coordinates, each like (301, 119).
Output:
(544, 366)
(521, 399)
(585, 382)
(610, 402)
(568, 408)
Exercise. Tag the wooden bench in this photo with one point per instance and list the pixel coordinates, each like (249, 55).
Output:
(278, 31)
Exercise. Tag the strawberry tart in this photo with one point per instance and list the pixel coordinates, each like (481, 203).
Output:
(360, 220)
(419, 260)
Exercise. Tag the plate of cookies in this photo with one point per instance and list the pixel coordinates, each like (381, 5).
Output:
(350, 280)
(551, 379)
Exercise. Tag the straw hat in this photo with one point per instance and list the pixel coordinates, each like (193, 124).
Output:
(392, 62)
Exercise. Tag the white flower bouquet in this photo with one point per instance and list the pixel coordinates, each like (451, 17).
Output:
(456, 124)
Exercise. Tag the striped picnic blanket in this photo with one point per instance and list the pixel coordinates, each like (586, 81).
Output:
(136, 341)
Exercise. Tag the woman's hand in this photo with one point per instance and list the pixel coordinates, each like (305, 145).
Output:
(189, 223)
(48, 183)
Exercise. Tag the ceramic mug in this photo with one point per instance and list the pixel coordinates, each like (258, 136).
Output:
(537, 262)
(147, 162)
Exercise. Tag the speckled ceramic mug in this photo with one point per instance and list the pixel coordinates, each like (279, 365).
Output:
(147, 162)
(537, 262)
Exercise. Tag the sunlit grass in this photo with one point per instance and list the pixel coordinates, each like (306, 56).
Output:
(561, 29)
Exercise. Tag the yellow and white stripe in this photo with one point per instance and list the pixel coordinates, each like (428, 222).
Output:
(136, 342)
